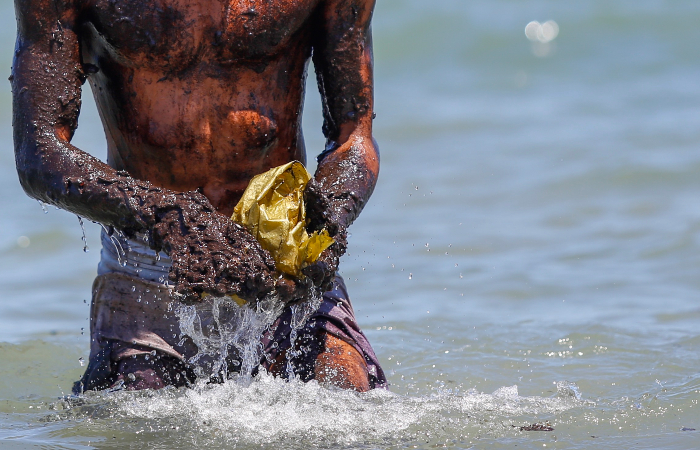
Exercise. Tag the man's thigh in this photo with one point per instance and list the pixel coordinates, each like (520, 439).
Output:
(340, 364)
(325, 358)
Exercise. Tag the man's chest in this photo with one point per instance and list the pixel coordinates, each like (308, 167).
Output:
(182, 30)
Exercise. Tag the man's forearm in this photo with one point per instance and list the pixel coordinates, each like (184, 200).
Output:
(346, 177)
(343, 183)
(55, 172)
(62, 175)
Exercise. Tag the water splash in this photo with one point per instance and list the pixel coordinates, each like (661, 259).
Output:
(567, 389)
(300, 315)
(274, 413)
(227, 334)
(116, 238)
(43, 207)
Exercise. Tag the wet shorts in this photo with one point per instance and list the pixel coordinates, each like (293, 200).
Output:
(132, 313)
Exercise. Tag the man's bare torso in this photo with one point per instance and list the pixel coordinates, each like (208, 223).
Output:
(199, 95)
(196, 97)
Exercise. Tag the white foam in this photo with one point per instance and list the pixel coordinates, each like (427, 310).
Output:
(273, 411)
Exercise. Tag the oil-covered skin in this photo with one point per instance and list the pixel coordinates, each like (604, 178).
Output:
(196, 97)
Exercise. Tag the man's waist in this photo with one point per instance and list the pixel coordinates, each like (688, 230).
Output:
(133, 257)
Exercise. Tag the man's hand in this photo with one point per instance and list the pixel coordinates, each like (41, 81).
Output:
(210, 253)
(320, 215)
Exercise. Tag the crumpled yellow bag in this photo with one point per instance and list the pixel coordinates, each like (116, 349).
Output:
(272, 209)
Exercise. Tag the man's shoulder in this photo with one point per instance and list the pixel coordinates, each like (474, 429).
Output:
(37, 16)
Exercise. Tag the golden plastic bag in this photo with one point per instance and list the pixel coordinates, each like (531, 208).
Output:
(272, 209)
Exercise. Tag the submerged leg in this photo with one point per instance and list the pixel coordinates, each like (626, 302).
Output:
(327, 359)
(330, 347)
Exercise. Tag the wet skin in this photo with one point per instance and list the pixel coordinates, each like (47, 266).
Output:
(196, 97)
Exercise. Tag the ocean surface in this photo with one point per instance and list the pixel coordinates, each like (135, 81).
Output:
(531, 255)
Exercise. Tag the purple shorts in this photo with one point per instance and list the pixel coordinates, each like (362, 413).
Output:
(131, 316)
(336, 317)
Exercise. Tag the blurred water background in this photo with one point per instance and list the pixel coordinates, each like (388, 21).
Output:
(531, 254)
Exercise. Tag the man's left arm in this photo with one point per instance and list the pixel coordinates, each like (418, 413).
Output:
(348, 168)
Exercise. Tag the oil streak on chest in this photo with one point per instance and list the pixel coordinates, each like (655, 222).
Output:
(179, 31)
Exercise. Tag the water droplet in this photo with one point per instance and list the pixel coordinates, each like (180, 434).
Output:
(132, 377)
(23, 241)
(81, 361)
(410, 276)
(544, 33)
(43, 207)
(133, 288)
(82, 227)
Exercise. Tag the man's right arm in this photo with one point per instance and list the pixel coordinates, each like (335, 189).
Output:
(209, 252)
(47, 76)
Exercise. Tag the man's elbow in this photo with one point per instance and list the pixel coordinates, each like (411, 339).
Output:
(31, 176)
(30, 182)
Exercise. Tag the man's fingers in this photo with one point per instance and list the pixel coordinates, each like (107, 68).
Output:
(317, 272)
(286, 289)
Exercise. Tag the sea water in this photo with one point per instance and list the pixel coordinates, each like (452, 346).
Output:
(530, 256)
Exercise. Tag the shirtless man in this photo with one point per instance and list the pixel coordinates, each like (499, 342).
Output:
(196, 97)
